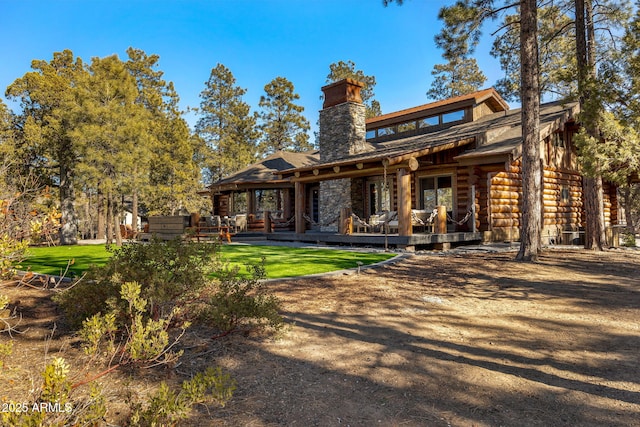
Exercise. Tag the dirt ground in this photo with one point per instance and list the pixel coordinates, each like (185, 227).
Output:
(464, 339)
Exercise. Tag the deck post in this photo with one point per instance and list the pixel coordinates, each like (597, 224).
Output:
(267, 221)
(299, 195)
(251, 202)
(404, 202)
(346, 226)
(473, 209)
(441, 220)
(286, 195)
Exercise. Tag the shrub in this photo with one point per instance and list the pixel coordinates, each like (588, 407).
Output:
(12, 252)
(54, 404)
(141, 340)
(171, 274)
(629, 240)
(146, 342)
(5, 326)
(174, 275)
(241, 303)
(167, 407)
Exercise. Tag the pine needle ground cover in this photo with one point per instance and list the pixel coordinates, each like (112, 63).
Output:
(280, 261)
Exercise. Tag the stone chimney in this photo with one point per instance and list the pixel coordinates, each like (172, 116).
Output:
(342, 133)
(342, 121)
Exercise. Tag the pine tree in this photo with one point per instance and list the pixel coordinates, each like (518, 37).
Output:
(48, 96)
(226, 125)
(282, 124)
(109, 123)
(461, 33)
(459, 76)
(556, 39)
(614, 153)
(169, 170)
(347, 70)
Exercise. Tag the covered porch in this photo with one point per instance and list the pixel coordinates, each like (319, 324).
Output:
(401, 198)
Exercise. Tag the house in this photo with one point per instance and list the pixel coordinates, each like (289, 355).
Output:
(461, 157)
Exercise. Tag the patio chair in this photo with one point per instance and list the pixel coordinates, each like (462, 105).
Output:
(240, 222)
(379, 220)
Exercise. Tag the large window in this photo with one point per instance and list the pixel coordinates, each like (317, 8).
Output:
(379, 195)
(436, 191)
(429, 121)
(413, 125)
(269, 200)
(239, 203)
(454, 116)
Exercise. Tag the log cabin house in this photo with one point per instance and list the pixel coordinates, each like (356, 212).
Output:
(256, 189)
(459, 157)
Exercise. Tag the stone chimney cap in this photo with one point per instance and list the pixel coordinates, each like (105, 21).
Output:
(346, 90)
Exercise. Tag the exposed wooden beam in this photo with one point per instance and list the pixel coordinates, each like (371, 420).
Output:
(427, 151)
(329, 174)
(414, 164)
(336, 169)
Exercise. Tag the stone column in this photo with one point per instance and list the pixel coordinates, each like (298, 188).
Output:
(342, 133)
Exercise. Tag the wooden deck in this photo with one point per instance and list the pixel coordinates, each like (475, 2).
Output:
(368, 239)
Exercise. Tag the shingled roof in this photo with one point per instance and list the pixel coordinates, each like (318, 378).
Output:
(495, 134)
(490, 96)
(263, 171)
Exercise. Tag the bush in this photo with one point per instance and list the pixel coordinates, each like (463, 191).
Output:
(171, 274)
(167, 407)
(174, 275)
(629, 240)
(12, 252)
(146, 342)
(241, 303)
(54, 404)
(5, 316)
(141, 339)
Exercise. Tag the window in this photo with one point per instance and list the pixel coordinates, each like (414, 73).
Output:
(436, 191)
(564, 193)
(454, 116)
(371, 134)
(429, 121)
(391, 130)
(239, 203)
(379, 195)
(405, 127)
(269, 200)
(558, 139)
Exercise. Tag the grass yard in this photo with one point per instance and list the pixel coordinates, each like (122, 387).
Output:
(281, 261)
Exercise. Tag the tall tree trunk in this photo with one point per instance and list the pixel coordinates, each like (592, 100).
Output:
(69, 229)
(116, 221)
(87, 229)
(134, 210)
(626, 194)
(592, 185)
(531, 232)
(110, 220)
(101, 232)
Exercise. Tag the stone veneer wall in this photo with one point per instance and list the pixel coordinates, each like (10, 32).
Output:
(334, 195)
(342, 133)
(357, 196)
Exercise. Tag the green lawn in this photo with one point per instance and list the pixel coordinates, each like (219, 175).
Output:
(281, 261)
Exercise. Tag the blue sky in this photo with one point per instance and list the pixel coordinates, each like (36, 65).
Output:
(257, 40)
